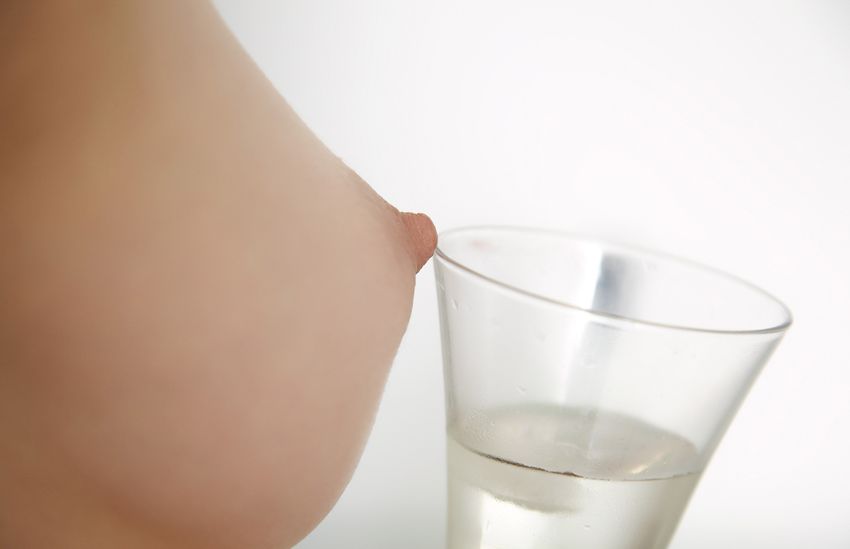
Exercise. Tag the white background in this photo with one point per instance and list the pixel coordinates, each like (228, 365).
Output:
(716, 130)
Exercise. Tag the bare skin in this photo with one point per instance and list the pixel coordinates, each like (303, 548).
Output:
(199, 303)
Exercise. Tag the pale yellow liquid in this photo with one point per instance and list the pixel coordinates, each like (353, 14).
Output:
(546, 478)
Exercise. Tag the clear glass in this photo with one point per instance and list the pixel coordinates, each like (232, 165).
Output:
(587, 385)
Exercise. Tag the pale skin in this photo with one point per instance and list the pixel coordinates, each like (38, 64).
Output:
(199, 303)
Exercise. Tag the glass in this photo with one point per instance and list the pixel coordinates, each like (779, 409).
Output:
(587, 385)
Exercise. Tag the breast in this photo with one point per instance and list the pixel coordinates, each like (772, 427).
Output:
(202, 365)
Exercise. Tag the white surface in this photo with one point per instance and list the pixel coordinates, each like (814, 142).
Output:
(716, 130)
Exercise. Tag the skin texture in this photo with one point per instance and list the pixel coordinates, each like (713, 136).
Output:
(199, 303)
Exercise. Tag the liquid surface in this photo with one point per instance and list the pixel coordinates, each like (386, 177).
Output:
(547, 478)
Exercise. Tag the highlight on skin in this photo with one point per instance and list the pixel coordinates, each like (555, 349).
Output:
(200, 302)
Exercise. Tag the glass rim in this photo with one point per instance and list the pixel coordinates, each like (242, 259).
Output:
(577, 237)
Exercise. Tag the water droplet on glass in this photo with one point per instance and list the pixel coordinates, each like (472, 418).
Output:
(454, 304)
(521, 390)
